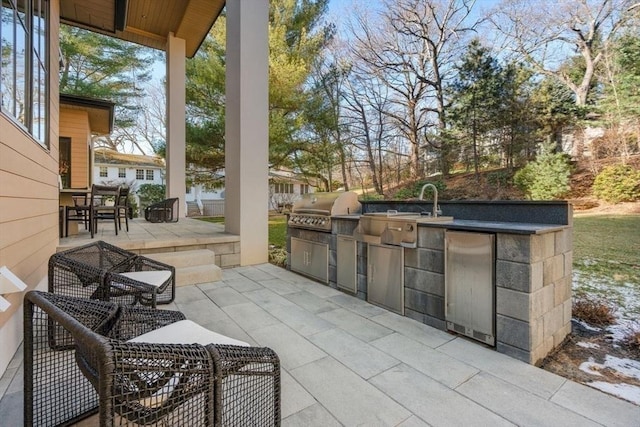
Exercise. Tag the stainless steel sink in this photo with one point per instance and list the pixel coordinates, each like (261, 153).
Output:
(419, 218)
(393, 227)
(392, 214)
(427, 219)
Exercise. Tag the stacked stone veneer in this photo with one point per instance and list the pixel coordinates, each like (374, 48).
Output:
(533, 293)
(424, 278)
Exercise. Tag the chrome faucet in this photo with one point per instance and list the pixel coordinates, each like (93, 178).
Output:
(436, 208)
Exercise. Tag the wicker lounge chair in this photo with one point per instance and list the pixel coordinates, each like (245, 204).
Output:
(85, 356)
(102, 271)
(164, 211)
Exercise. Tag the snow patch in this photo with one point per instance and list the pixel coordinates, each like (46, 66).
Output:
(591, 367)
(587, 326)
(624, 367)
(625, 391)
(627, 367)
(623, 328)
(585, 344)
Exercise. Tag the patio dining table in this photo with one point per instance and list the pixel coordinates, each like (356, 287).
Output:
(66, 199)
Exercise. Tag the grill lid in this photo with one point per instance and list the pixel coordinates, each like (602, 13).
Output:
(336, 203)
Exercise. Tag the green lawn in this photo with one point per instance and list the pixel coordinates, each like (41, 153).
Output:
(606, 259)
(277, 228)
(608, 245)
(278, 231)
(214, 219)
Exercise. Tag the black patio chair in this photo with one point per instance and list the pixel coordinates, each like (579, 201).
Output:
(122, 207)
(106, 272)
(164, 211)
(79, 212)
(83, 357)
(103, 206)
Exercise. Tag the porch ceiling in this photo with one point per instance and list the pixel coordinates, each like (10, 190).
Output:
(146, 22)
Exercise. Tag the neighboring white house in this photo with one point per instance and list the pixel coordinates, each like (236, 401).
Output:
(111, 167)
(285, 187)
(114, 168)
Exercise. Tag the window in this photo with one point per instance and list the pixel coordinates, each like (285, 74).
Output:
(103, 172)
(64, 165)
(283, 188)
(24, 68)
(139, 173)
(149, 174)
(122, 173)
(304, 188)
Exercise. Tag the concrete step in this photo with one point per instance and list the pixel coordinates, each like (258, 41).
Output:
(185, 258)
(198, 274)
(192, 267)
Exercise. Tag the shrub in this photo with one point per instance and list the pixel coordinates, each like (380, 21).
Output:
(413, 191)
(546, 178)
(150, 193)
(499, 178)
(278, 256)
(371, 196)
(593, 310)
(619, 183)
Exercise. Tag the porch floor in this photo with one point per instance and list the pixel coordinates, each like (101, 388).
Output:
(146, 235)
(346, 362)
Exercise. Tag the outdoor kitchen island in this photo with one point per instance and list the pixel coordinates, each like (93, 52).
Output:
(524, 311)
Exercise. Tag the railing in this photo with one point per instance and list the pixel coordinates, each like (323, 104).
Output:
(209, 208)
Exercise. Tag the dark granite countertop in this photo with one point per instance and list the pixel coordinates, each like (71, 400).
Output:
(483, 226)
(496, 227)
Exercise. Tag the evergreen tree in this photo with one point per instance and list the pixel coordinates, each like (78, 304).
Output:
(476, 97)
(296, 38)
(547, 177)
(104, 67)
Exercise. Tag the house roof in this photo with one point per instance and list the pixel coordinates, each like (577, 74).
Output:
(100, 111)
(146, 22)
(104, 156)
(281, 175)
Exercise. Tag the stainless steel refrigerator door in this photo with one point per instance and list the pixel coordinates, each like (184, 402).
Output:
(469, 284)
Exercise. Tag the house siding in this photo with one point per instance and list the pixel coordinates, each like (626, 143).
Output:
(28, 203)
(74, 124)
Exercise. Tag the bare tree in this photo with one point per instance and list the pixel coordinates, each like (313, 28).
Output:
(148, 131)
(546, 32)
(413, 50)
(366, 100)
(383, 52)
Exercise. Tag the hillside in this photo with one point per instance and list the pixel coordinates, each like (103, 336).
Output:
(496, 184)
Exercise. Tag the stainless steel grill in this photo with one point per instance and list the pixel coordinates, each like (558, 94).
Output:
(314, 210)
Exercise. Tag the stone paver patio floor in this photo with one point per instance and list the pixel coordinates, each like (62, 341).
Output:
(347, 362)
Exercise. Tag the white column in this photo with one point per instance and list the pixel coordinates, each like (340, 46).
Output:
(176, 120)
(247, 128)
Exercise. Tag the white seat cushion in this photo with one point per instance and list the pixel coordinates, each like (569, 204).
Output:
(181, 332)
(186, 332)
(152, 277)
